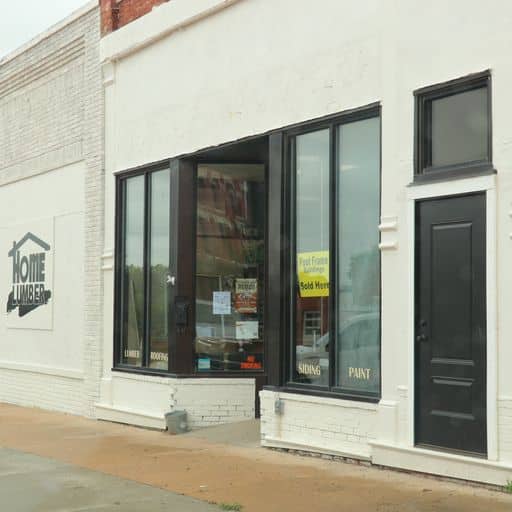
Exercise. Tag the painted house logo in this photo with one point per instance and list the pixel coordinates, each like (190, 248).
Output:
(29, 276)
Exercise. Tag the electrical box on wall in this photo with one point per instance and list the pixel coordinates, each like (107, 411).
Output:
(279, 407)
(176, 422)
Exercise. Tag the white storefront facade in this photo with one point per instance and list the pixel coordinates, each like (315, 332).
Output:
(305, 215)
(51, 207)
(186, 81)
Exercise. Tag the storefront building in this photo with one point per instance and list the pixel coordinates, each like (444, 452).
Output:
(307, 219)
(51, 217)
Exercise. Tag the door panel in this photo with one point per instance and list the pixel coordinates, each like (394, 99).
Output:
(451, 323)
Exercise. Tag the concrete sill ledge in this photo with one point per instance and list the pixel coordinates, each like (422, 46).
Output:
(129, 417)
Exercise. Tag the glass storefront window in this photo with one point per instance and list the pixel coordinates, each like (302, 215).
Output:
(145, 251)
(453, 128)
(230, 247)
(312, 257)
(347, 310)
(159, 269)
(358, 299)
(132, 294)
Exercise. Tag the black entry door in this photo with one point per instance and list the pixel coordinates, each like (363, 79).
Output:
(451, 324)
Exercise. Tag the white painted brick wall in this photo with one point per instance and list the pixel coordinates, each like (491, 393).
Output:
(207, 401)
(505, 429)
(39, 390)
(318, 424)
(214, 401)
(51, 115)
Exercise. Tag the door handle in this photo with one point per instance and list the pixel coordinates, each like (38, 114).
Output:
(422, 336)
(171, 280)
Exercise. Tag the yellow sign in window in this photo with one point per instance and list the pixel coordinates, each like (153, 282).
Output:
(313, 273)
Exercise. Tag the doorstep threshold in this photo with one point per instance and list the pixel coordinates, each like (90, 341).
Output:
(441, 463)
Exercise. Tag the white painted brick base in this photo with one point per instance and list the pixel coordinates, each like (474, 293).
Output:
(505, 429)
(207, 401)
(51, 392)
(319, 424)
(215, 401)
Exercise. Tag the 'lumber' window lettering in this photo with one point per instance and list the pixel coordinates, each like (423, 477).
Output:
(144, 267)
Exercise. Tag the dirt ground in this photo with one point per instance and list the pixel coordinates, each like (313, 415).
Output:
(227, 466)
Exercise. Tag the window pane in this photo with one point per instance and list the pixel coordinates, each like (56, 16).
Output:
(230, 267)
(133, 277)
(459, 128)
(312, 258)
(358, 365)
(159, 269)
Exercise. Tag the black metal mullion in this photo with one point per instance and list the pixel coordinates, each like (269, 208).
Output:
(489, 118)
(171, 272)
(285, 276)
(119, 271)
(380, 254)
(146, 349)
(427, 135)
(333, 224)
(292, 302)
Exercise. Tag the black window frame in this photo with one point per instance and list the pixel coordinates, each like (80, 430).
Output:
(120, 215)
(183, 179)
(423, 170)
(289, 264)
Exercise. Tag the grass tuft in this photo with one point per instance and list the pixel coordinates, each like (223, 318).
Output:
(236, 507)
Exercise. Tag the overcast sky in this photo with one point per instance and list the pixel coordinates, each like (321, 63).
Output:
(21, 20)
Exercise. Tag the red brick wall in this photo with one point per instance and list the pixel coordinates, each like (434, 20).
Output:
(117, 13)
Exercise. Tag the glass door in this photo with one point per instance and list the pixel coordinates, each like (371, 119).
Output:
(229, 268)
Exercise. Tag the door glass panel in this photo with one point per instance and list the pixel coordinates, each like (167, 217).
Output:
(459, 128)
(230, 250)
(132, 290)
(312, 258)
(159, 269)
(358, 365)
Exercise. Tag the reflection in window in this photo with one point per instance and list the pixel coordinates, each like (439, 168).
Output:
(230, 267)
(133, 278)
(144, 268)
(459, 127)
(312, 256)
(159, 269)
(358, 299)
(352, 179)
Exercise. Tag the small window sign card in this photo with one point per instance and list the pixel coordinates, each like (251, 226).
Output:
(246, 295)
(247, 330)
(203, 363)
(221, 303)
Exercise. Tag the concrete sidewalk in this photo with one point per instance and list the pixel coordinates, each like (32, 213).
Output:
(29, 483)
(225, 465)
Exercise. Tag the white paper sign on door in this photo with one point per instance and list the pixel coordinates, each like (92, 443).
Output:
(247, 330)
(221, 303)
